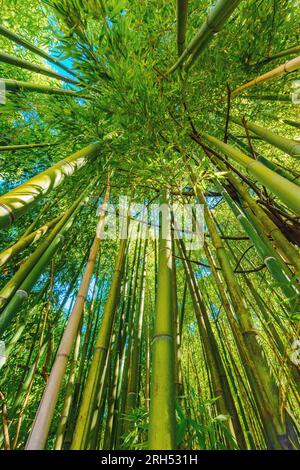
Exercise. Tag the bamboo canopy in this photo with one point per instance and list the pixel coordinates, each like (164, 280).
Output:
(150, 229)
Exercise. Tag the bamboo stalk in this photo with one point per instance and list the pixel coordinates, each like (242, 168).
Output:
(19, 86)
(9, 148)
(182, 12)
(24, 64)
(288, 192)
(16, 202)
(214, 22)
(24, 242)
(98, 363)
(288, 67)
(278, 55)
(162, 398)
(40, 429)
(292, 123)
(288, 146)
(31, 47)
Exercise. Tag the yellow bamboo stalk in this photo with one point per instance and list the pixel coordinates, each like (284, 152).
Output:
(288, 67)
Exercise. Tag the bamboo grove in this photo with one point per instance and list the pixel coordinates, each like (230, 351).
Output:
(140, 341)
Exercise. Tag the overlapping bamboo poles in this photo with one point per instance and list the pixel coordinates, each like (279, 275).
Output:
(162, 395)
(134, 371)
(278, 55)
(288, 192)
(264, 225)
(41, 426)
(214, 22)
(20, 199)
(263, 386)
(24, 64)
(225, 403)
(288, 67)
(17, 289)
(288, 146)
(31, 47)
(99, 361)
(265, 161)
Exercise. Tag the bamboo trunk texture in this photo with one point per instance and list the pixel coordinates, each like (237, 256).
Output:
(20, 199)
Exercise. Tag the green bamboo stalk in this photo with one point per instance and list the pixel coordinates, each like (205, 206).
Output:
(22, 291)
(31, 47)
(287, 191)
(263, 385)
(288, 67)
(182, 12)
(268, 163)
(44, 210)
(40, 429)
(19, 86)
(267, 255)
(24, 64)
(278, 55)
(288, 146)
(97, 366)
(24, 242)
(263, 224)
(132, 390)
(269, 97)
(214, 22)
(292, 123)
(16, 202)
(10, 148)
(162, 401)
